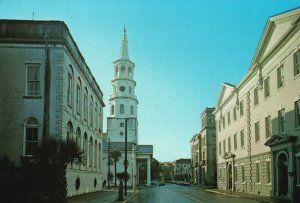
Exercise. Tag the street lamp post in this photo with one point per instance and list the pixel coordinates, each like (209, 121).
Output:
(125, 165)
(108, 162)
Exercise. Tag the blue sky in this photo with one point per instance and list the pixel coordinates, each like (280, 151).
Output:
(183, 52)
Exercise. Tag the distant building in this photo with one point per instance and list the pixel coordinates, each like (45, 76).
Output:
(258, 120)
(207, 150)
(195, 166)
(167, 171)
(182, 170)
(47, 89)
(203, 148)
(123, 116)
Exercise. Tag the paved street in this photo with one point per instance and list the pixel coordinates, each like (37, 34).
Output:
(172, 193)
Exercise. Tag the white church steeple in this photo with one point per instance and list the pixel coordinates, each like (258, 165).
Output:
(123, 101)
(124, 47)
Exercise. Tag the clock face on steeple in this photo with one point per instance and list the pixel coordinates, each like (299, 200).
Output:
(122, 88)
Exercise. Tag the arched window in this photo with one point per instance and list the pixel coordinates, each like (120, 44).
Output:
(122, 109)
(69, 130)
(31, 136)
(84, 147)
(78, 97)
(116, 71)
(70, 87)
(131, 110)
(129, 71)
(122, 71)
(96, 115)
(95, 155)
(112, 110)
(85, 105)
(78, 138)
(90, 159)
(91, 112)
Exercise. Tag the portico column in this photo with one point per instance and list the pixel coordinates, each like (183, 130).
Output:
(148, 172)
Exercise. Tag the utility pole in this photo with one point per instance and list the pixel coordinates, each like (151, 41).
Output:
(108, 162)
(125, 157)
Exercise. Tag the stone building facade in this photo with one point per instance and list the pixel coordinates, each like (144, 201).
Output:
(182, 170)
(47, 89)
(203, 147)
(258, 120)
(207, 153)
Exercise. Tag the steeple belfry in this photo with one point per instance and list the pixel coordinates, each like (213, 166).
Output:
(124, 47)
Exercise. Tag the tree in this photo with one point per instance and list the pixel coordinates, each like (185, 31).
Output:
(115, 155)
(56, 153)
(155, 169)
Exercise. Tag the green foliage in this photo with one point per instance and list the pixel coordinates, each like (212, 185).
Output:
(122, 176)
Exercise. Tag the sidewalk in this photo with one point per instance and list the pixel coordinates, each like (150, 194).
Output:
(259, 198)
(106, 195)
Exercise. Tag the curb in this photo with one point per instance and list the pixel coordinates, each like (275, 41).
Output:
(221, 193)
(131, 196)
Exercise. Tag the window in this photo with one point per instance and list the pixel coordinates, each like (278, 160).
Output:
(228, 117)
(69, 130)
(122, 71)
(257, 133)
(280, 77)
(257, 173)
(84, 147)
(243, 173)
(267, 87)
(129, 71)
(234, 113)
(31, 136)
(220, 125)
(116, 71)
(229, 144)
(70, 90)
(235, 141)
(224, 146)
(131, 110)
(220, 148)
(112, 110)
(95, 154)
(122, 109)
(256, 98)
(96, 115)
(121, 124)
(297, 114)
(268, 126)
(91, 112)
(85, 106)
(78, 99)
(297, 63)
(130, 89)
(241, 108)
(242, 138)
(32, 80)
(281, 118)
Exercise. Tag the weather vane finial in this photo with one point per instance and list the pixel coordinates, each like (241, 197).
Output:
(124, 29)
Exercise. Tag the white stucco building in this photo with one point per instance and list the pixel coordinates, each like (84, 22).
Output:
(47, 89)
(122, 121)
(258, 120)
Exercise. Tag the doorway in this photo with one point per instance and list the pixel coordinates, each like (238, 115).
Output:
(282, 175)
(229, 177)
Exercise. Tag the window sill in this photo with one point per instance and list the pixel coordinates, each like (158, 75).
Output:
(268, 184)
(243, 183)
(297, 128)
(32, 97)
(258, 183)
(298, 185)
(281, 87)
(296, 76)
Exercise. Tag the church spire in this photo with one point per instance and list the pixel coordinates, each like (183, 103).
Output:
(124, 47)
